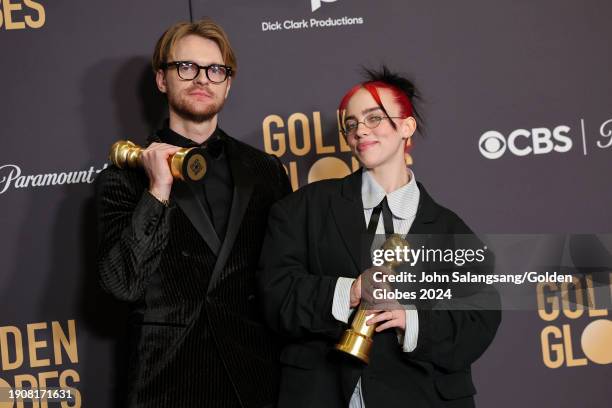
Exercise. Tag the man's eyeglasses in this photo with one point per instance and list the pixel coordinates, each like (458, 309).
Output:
(371, 122)
(188, 70)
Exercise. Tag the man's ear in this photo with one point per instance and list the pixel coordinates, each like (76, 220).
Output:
(160, 80)
(229, 85)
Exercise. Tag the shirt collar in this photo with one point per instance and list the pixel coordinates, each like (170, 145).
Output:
(214, 144)
(403, 202)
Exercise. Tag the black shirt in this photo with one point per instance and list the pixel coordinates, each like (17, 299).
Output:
(215, 190)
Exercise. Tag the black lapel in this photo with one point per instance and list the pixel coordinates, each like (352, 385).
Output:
(191, 206)
(243, 188)
(427, 213)
(347, 209)
(193, 209)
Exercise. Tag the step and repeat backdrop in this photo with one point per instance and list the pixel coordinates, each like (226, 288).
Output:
(518, 139)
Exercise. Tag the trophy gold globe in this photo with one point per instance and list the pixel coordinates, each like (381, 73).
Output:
(357, 340)
(188, 164)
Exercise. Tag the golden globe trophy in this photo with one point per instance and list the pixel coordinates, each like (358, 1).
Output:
(357, 340)
(188, 164)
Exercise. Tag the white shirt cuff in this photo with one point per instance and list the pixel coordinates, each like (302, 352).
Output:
(408, 339)
(341, 307)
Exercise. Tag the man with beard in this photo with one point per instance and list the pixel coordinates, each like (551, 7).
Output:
(184, 254)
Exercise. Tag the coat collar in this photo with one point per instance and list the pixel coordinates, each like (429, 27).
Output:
(402, 202)
(214, 144)
(347, 208)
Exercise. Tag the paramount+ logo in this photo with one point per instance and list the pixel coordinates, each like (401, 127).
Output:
(525, 142)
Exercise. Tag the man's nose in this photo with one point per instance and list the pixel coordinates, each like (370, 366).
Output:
(201, 78)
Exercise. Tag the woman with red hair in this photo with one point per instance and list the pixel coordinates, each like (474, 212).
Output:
(310, 273)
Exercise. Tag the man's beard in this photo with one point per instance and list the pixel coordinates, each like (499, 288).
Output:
(187, 109)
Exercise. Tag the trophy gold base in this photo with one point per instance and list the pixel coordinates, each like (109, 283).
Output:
(188, 165)
(355, 344)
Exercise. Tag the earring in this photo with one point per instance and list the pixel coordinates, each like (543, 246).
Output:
(407, 156)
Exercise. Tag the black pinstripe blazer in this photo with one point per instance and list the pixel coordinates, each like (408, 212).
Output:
(196, 335)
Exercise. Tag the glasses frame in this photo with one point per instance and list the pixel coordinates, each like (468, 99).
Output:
(346, 133)
(177, 64)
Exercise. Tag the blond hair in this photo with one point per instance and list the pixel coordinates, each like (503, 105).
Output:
(205, 28)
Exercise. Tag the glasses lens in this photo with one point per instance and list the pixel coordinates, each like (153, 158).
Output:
(216, 73)
(350, 126)
(373, 121)
(187, 70)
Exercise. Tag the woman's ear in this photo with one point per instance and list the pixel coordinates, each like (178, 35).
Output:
(408, 127)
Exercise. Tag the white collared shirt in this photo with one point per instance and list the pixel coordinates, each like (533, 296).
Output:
(403, 203)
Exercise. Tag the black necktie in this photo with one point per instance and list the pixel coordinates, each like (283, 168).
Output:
(383, 207)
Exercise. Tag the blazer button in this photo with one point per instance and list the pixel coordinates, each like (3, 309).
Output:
(185, 253)
(251, 298)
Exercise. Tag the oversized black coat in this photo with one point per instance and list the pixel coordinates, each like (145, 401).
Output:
(313, 238)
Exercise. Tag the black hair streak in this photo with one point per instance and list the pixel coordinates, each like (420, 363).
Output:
(384, 74)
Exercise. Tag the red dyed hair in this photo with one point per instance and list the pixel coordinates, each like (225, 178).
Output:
(400, 97)
(406, 109)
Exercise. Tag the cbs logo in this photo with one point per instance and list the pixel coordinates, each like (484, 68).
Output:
(522, 142)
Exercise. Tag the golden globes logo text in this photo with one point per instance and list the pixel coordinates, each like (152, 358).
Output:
(308, 154)
(579, 331)
(21, 14)
(39, 356)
